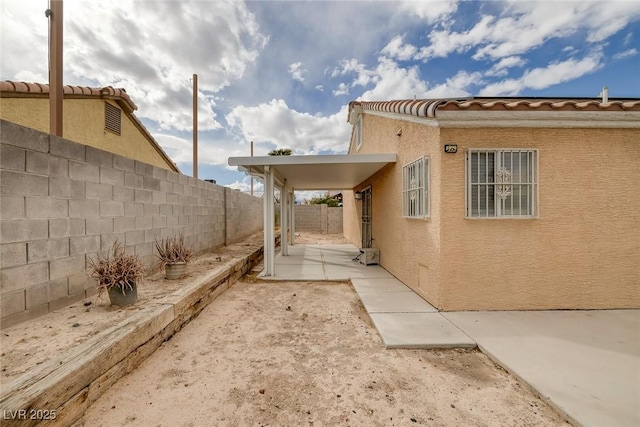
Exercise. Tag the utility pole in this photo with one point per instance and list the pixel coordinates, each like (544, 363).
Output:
(252, 175)
(195, 126)
(56, 91)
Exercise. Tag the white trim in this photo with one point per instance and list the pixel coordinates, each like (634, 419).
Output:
(425, 206)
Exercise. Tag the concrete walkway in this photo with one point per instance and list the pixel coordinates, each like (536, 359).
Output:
(585, 363)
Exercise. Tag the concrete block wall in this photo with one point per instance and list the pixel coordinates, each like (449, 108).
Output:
(61, 202)
(318, 218)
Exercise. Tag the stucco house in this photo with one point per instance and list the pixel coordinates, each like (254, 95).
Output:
(99, 117)
(503, 204)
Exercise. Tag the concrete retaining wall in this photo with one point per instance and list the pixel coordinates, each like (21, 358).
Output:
(61, 202)
(319, 219)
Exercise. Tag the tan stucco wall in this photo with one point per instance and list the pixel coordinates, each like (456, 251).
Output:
(409, 247)
(584, 249)
(83, 122)
(582, 252)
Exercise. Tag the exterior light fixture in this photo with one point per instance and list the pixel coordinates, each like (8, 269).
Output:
(358, 195)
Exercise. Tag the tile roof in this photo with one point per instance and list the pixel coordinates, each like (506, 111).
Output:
(22, 89)
(11, 88)
(429, 107)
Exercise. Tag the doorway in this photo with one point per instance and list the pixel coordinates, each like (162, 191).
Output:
(366, 218)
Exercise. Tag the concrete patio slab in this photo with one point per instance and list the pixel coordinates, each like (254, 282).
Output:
(419, 330)
(586, 363)
(380, 285)
(395, 302)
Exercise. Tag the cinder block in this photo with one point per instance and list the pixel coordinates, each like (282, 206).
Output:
(66, 188)
(64, 302)
(58, 167)
(144, 222)
(122, 194)
(79, 245)
(84, 208)
(99, 191)
(172, 221)
(23, 230)
(160, 173)
(12, 158)
(11, 207)
(150, 183)
(23, 184)
(166, 210)
(66, 227)
(107, 240)
(150, 209)
(132, 180)
(111, 176)
(65, 148)
(47, 250)
(178, 189)
(38, 163)
(95, 156)
(159, 197)
(12, 254)
(84, 171)
(62, 268)
(133, 209)
(152, 235)
(144, 168)
(12, 302)
(99, 225)
(173, 176)
(143, 196)
(124, 223)
(23, 275)
(37, 295)
(124, 163)
(80, 282)
(111, 208)
(178, 210)
(134, 237)
(173, 198)
(58, 288)
(24, 137)
(166, 186)
(144, 249)
(183, 180)
(46, 207)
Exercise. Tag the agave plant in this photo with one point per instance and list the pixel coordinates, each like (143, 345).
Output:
(117, 269)
(173, 250)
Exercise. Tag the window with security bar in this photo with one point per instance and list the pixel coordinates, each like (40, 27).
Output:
(502, 183)
(415, 189)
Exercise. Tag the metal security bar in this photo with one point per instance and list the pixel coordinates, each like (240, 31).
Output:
(415, 189)
(502, 183)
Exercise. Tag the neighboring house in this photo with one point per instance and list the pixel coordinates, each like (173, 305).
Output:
(503, 204)
(98, 117)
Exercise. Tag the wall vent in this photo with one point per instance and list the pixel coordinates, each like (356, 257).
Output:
(112, 118)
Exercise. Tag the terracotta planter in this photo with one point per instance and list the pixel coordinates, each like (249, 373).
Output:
(123, 298)
(175, 271)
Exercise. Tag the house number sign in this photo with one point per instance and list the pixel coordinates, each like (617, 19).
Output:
(450, 148)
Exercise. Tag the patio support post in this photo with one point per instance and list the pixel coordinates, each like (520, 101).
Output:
(284, 213)
(292, 207)
(269, 224)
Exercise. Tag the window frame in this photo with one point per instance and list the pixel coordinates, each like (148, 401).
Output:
(534, 185)
(423, 209)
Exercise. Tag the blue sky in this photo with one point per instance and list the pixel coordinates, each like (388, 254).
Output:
(282, 73)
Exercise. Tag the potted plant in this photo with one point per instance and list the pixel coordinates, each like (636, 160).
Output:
(118, 273)
(174, 256)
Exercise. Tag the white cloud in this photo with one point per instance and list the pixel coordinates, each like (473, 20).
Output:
(343, 89)
(146, 47)
(626, 54)
(429, 10)
(456, 86)
(543, 77)
(392, 81)
(277, 124)
(297, 72)
(500, 67)
(397, 49)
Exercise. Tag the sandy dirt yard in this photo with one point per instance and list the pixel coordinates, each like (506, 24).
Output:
(305, 353)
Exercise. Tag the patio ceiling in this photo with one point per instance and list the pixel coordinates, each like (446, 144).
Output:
(321, 172)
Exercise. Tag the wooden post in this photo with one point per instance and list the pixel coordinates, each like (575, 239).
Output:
(56, 91)
(195, 125)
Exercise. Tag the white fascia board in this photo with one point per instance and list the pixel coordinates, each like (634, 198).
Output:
(540, 119)
(311, 160)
